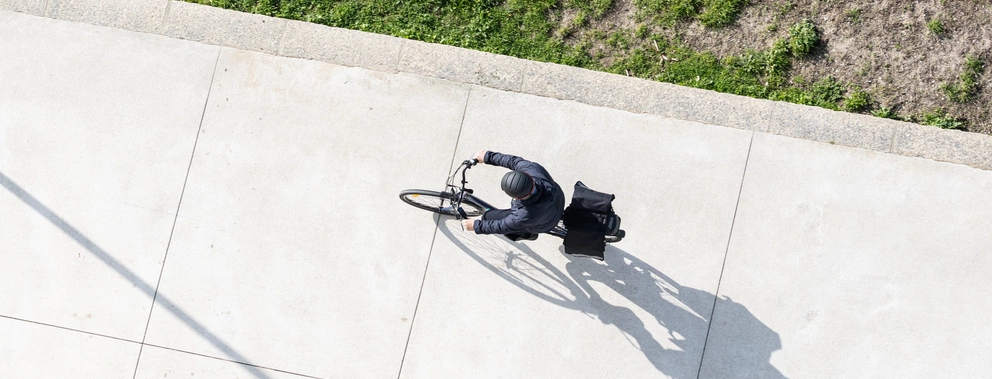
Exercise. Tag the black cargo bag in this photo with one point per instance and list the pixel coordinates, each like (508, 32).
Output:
(586, 219)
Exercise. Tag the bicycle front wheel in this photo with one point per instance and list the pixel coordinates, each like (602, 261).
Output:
(440, 202)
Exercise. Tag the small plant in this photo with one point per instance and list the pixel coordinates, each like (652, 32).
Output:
(966, 88)
(581, 19)
(853, 15)
(777, 60)
(827, 92)
(936, 27)
(642, 31)
(940, 119)
(803, 38)
(772, 28)
(885, 113)
(786, 7)
(857, 101)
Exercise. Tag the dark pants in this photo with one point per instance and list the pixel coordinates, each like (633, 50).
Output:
(499, 214)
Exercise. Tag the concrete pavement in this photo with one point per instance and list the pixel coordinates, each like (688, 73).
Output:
(172, 207)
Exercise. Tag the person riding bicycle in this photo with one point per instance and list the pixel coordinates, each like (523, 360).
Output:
(537, 205)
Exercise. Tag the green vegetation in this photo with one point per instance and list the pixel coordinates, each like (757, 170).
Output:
(804, 38)
(940, 119)
(597, 8)
(711, 13)
(966, 87)
(936, 26)
(885, 113)
(853, 15)
(857, 101)
(718, 13)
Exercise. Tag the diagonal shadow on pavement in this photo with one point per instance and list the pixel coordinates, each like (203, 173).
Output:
(683, 311)
(109, 260)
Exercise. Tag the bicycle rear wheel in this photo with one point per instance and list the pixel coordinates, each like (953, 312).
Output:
(439, 202)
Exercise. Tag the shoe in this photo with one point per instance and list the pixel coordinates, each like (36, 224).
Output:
(529, 237)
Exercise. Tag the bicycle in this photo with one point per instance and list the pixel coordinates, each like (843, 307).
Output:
(459, 201)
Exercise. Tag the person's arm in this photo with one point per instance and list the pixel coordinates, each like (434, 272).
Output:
(509, 224)
(512, 162)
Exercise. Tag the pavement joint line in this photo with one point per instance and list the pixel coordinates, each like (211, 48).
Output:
(723, 266)
(172, 233)
(399, 57)
(892, 141)
(165, 15)
(117, 266)
(430, 253)
(423, 280)
(229, 360)
(282, 37)
(153, 345)
(70, 329)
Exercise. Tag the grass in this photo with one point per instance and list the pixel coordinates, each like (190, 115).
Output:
(885, 113)
(536, 30)
(853, 15)
(936, 27)
(940, 119)
(966, 87)
(711, 13)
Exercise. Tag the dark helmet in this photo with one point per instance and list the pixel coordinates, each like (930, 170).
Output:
(517, 184)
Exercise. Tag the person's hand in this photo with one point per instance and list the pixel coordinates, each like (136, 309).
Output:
(481, 156)
(469, 225)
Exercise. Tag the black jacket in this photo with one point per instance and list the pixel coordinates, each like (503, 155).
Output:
(538, 213)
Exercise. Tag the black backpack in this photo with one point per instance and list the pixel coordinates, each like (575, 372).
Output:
(589, 219)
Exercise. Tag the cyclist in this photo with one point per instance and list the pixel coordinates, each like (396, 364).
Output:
(537, 205)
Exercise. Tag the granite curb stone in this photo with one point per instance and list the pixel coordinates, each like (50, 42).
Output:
(954, 146)
(341, 46)
(297, 39)
(462, 65)
(32, 7)
(217, 26)
(136, 15)
(834, 127)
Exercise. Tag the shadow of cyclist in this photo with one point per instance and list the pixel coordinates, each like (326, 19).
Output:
(680, 313)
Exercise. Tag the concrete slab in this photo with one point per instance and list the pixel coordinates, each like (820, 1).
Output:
(136, 15)
(32, 7)
(96, 130)
(867, 264)
(217, 26)
(273, 253)
(31, 350)
(341, 46)
(157, 362)
(491, 308)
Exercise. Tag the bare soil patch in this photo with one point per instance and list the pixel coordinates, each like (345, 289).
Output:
(883, 47)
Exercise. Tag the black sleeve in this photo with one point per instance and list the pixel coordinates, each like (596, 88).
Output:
(508, 224)
(512, 162)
